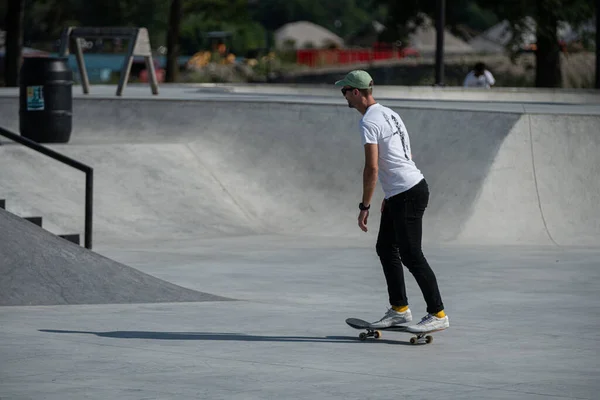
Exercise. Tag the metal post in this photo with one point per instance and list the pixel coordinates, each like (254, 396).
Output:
(65, 42)
(151, 74)
(439, 50)
(126, 69)
(85, 82)
(124, 75)
(89, 204)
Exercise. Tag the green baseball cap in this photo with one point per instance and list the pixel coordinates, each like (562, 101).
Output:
(358, 79)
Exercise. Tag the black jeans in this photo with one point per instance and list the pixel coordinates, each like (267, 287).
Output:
(399, 242)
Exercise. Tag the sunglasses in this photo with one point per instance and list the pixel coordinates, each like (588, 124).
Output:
(344, 90)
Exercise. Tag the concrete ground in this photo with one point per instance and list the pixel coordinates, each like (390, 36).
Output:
(231, 202)
(524, 325)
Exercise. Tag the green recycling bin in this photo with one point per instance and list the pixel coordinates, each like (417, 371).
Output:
(46, 99)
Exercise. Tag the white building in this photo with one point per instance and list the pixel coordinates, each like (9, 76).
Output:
(303, 34)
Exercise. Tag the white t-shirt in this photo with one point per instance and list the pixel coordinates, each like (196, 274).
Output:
(397, 172)
(483, 81)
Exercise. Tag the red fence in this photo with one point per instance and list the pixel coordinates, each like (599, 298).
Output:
(325, 57)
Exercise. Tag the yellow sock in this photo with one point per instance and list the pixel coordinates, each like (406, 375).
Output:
(400, 308)
(441, 314)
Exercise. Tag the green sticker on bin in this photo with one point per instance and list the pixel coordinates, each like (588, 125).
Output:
(35, 98)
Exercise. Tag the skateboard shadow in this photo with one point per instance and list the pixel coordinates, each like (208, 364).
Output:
(213, 336)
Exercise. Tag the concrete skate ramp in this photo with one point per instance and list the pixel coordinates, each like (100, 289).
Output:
(543, 186)
(39, 268)
(192, 169)
(143, 192)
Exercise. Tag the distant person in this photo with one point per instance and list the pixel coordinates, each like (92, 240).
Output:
(479, 77)
(388, 156)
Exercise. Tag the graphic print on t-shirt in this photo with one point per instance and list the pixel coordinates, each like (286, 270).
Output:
(399, 131)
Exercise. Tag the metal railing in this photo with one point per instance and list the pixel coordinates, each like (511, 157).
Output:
(89, 176)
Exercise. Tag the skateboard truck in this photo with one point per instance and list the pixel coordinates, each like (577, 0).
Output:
(419, 338)
(369, 333)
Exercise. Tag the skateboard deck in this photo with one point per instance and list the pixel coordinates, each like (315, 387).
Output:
(418, 338)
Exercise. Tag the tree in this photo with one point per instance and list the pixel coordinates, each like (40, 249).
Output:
(597, 44)
(547, 54)
(546, 14)
(149, 14)
(404, 17)
(45, 20)
(214, 10)
(342, 17)
(172, 70)
(14, 41)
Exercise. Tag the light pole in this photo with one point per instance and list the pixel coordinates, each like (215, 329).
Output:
(439, 49)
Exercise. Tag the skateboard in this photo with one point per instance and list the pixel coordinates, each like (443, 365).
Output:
(419, 338)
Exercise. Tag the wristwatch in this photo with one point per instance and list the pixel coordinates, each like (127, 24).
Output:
(363, 207)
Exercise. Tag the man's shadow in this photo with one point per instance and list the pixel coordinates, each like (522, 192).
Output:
(221, 337)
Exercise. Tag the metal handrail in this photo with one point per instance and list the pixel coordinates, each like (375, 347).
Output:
(89, 176)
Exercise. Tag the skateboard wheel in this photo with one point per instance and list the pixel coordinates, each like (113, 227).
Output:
(377, 334)
(362, 336)
(428, 339)
(413, 340)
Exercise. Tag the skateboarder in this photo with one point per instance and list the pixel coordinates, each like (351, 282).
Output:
(388, 156)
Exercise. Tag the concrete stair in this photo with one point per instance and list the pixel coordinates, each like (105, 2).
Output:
(73, 238)
(35, 220)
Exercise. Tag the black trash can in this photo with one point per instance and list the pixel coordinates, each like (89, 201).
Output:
(46, 99)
